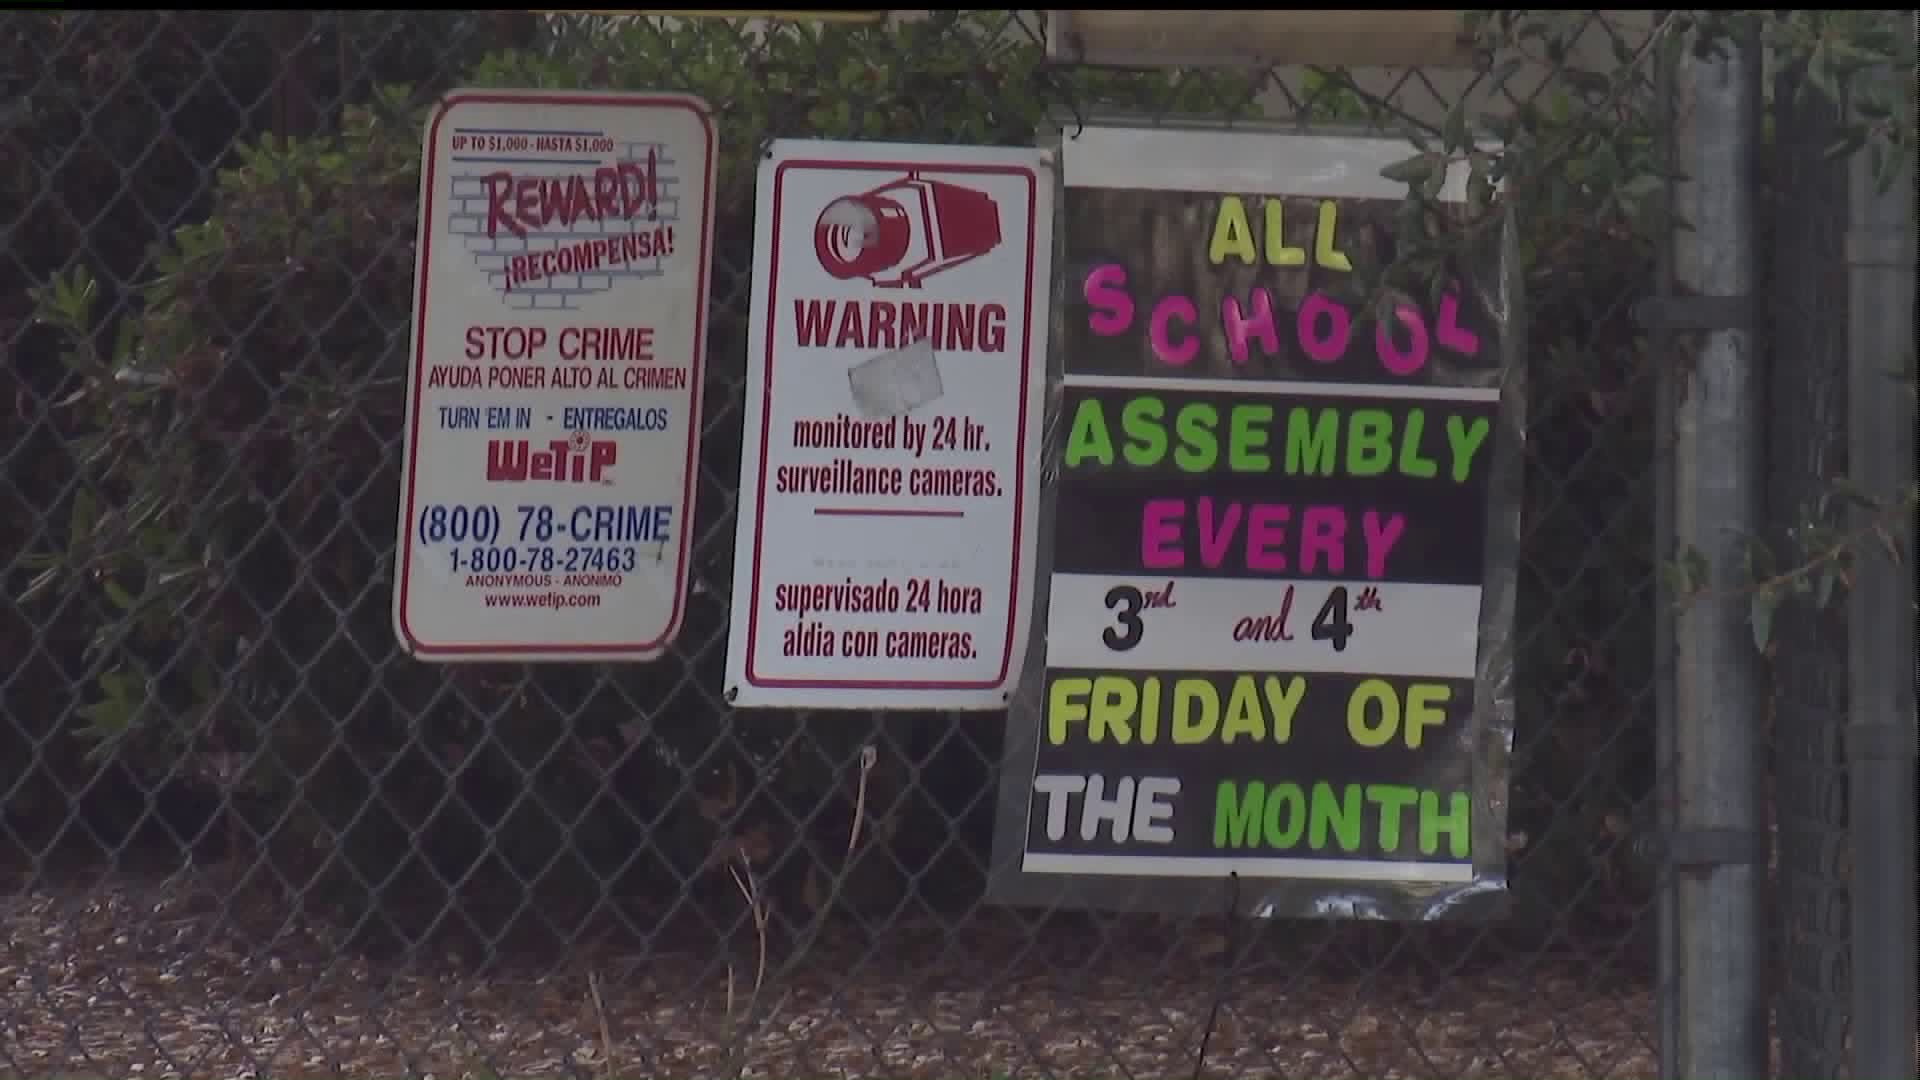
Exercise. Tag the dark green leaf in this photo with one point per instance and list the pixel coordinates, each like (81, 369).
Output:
(1411, 170)
(1760, 616)
(1479, 190)
(1823, 589)
(118, 594)
(1679, 581)
(1503, 71)
(1454, 136)
(1846, 145)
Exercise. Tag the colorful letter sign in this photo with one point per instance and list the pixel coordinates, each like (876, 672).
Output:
(1279, 504)
(553, 400)
(885, 553)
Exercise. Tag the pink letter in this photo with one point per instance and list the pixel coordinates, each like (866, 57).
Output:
(1450, 333)
(1160, 534)
(1326, 349)
(1380, 540)
(1106, 292)
(1240, 327)
(1415, 358)
(1214, 541)
(1323, 532)
(1164, 312)
(1266, 532)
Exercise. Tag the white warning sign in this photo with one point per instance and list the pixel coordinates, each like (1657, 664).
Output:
(889, 478)
(553, 399)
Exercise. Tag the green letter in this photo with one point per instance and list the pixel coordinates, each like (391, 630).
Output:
(1311, 437)
(1411, 462)
(1236, 818)
(1146, 438)
(1465, 440)
(1089, 438)
(1369, 442)
(1198, 448)
(1245, 447)
(1456, 823)
(1336, 814)
(1393, 800)
(1289, 800)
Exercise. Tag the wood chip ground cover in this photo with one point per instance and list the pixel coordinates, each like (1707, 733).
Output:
(151, 979)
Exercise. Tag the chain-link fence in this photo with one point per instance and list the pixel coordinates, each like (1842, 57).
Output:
(242, 834)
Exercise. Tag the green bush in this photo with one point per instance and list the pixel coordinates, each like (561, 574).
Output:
(111, 124)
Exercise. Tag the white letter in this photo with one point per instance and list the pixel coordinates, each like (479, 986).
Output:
(1058, 790)
(1118, 811)
(1150, 808)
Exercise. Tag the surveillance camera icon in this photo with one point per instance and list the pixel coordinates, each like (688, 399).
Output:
(905, 231)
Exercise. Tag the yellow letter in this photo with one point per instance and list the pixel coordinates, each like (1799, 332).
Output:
(1186, 727)
(1064, 707)
(1114, 698)
(1243, 712)
(1324, 253)
(1231, 235)
(1150, 710)
(1278, 253)
(1421, 711)
(1360, 724)
(1284, 701)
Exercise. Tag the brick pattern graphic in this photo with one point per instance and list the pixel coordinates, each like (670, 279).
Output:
(467, 217)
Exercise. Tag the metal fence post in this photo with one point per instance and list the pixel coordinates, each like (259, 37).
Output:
(1880, 729)
(1665, 398)
(1717, 850)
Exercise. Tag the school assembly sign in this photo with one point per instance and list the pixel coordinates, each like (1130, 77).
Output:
(1270, 538)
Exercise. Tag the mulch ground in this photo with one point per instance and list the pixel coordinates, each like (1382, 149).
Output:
(176, 976)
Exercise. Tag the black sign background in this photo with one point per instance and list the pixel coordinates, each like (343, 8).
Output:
(1445, 538)
(1456, 533)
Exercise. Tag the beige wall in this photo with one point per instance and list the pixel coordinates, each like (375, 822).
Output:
(1592, 51)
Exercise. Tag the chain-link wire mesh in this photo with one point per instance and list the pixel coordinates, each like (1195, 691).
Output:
(244, 835)
(1807, 450)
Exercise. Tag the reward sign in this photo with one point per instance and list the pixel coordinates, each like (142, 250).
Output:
(553, 402)
(1270, 535)
(885, 556)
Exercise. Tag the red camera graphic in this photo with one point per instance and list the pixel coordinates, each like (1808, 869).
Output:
(905, 231)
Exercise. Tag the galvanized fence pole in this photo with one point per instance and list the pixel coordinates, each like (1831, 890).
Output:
(1717, 849)
(1665, 397)
(1880, 730)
